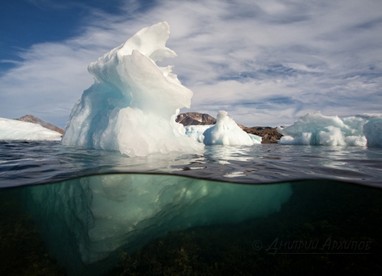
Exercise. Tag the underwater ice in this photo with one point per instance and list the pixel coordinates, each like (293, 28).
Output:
(318, 129)
(90, 218)
(18, 130)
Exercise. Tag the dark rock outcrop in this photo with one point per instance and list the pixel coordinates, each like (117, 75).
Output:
(35, 120)
(195, 118)
(270, 135)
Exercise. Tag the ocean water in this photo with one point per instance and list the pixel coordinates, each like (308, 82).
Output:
(265, 209)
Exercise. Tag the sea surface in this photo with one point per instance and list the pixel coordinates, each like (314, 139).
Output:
(266, 209)
(30, 163)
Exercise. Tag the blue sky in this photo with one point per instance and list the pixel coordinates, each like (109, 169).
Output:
(266, 62)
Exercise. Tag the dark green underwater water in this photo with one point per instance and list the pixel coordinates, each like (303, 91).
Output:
(319, 227)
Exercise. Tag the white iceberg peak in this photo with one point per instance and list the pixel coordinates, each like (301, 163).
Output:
(132, 105)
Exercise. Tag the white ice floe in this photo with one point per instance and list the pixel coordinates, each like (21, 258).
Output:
(19, 130)
(318, 129)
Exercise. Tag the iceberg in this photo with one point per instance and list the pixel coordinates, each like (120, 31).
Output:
(88, 219)
(133, 103)
(225, 132)
(18, 130)
(318, 129)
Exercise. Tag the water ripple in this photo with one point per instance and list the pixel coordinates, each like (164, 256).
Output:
(28, 163)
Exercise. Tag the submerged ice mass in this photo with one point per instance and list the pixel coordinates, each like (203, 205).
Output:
(132, 105)
(87, 219)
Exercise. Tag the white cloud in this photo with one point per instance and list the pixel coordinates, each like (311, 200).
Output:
(265, 62)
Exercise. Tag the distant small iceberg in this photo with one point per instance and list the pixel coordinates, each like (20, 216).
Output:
(225, 132)
(25, 131)
(319, 129)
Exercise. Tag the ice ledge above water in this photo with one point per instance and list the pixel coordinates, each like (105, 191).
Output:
(24, 131)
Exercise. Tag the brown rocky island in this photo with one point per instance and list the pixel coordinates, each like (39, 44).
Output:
(35, 120)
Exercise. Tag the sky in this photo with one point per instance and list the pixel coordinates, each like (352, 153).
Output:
(266, 62)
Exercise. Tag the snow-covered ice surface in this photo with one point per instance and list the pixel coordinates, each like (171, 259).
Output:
(18, 130)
